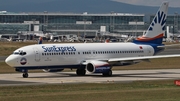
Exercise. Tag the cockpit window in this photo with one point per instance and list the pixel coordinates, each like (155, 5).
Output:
(19, 53)
(16, 53)
(22, 53)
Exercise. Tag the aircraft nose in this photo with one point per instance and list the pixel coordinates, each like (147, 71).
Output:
(10, 61)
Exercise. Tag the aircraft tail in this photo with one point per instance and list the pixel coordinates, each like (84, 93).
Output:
(156, 30)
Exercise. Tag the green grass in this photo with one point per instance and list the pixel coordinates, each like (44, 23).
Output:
(8, 47)
(4, 68)
(134, 91)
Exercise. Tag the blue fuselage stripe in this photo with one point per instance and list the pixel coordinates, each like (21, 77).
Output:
(50, 67)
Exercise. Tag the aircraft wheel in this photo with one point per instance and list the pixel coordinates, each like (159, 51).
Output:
(80, 72)
(83, 72)
(109, 73)
(25, 75)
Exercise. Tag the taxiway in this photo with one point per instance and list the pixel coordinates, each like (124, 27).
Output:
(123, 76)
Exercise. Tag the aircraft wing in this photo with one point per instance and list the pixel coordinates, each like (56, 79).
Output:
(142, 58)
(130, 58)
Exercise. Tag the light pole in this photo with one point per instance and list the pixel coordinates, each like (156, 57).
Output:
(45, 20)
(175, 27)
(136, 29)
(175, 21)
(84, 28)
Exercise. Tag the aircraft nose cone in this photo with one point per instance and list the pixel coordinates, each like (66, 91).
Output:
(10, 61)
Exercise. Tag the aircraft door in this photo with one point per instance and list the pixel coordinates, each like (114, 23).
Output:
(37, 54)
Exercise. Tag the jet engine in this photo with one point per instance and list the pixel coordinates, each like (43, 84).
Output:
(53, 70)
(98, 67)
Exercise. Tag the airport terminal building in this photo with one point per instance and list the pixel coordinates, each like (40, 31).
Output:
(80, 24)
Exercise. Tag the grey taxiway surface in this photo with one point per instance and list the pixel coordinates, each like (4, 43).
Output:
(70, 77)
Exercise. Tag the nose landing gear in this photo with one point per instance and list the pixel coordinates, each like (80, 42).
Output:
(25, 75)
(24, 71)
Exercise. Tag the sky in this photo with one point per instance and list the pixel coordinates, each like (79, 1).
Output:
(172, 3)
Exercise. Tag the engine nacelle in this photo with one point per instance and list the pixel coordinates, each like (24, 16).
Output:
(98, 67)
(53, 70)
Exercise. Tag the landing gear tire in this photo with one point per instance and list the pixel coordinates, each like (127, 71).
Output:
(25, 75)
(109, 73)
(81, 72)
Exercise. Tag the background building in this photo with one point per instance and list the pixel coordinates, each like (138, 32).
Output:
(81, 24)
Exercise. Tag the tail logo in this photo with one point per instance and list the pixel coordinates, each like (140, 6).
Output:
(159, 19)
(156, 30)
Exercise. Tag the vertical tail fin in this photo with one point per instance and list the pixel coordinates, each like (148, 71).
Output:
(156, 30)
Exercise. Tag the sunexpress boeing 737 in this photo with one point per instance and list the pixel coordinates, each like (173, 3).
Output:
(92, 57)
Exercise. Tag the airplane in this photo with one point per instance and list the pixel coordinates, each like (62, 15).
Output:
(93, 57)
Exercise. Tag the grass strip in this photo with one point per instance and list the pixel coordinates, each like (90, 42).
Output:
(134, 91)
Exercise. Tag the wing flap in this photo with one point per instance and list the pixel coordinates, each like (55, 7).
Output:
(142, 58)
(85, 62)
(145, 58)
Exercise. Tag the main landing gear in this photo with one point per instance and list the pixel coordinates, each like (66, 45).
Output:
(81, 72)
(109, 73)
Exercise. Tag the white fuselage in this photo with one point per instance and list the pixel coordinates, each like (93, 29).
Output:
(49, 55)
